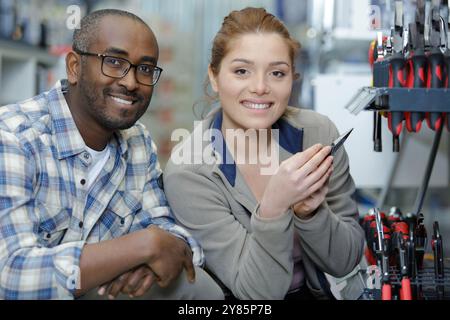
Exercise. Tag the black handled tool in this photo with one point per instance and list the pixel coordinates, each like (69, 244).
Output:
(400, 235)
(438, 252)
(336, 144)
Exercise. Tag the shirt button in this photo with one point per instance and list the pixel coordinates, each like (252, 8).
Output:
(83, 182)
(49, 235)
(80, 224)
(122, 221)
(86, 156)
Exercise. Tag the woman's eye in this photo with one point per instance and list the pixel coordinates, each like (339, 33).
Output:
(240, 72)
(278, 74)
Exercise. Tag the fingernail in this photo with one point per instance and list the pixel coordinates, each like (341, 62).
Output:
(131, 296)
(101, 291)
(111, 297)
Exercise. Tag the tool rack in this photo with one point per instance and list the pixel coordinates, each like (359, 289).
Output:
(391, 96)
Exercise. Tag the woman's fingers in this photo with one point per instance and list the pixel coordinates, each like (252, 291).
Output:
(298, 160)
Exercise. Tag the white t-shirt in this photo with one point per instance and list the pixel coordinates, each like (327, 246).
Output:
(99, 159)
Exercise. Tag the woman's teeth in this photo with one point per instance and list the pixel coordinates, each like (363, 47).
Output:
(258, 106)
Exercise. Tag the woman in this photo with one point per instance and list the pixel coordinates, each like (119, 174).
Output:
(273, 224)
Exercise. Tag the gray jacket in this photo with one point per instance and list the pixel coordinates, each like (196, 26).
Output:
(253, 256)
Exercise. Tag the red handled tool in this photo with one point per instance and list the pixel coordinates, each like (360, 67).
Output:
(400, 235)
(417, 64)
(436, 65)
(397, 73)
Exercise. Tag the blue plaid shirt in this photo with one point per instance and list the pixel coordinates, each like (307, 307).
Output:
(46, 213)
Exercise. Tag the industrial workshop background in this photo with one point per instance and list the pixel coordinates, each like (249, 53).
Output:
(336, 36)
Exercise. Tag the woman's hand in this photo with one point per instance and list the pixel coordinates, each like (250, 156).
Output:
(305, 209)
(300, 181)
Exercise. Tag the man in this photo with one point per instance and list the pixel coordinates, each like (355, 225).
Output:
(81, 199)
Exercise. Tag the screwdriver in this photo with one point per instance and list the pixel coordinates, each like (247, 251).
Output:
(417, 65)
(397, 73)
(436, 66)
(376, 57)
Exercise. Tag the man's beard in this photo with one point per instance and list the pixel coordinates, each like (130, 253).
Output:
(100, 114)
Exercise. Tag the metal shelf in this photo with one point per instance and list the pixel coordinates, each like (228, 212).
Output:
(400, 99)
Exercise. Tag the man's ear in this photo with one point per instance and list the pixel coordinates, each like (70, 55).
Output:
(73, 67)
(212, 80)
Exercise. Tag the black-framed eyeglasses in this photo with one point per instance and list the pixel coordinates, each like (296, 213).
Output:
(115, 67)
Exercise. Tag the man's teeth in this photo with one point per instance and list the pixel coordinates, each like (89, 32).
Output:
(257, 105)
(121, 100)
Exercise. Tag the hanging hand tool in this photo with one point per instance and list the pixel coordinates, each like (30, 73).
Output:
(445, 13)
(417, 64)
(397, 73)
(436, 66)
(377, 53)
(399, 239)
(438, 252)
(383, 254)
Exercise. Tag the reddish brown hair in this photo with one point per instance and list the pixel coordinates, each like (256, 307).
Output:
(237, 23)
(245, 21)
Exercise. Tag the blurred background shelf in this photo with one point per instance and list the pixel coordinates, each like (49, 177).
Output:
(24, 70)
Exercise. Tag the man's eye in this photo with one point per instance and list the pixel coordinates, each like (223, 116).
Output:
(145, 69)
(114, 62)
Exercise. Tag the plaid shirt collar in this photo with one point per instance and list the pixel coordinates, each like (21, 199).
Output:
(68, 139)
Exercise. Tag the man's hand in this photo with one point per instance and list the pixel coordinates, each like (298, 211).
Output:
(135, 283)
(169, 255)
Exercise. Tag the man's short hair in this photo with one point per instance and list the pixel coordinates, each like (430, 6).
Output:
(88, 30)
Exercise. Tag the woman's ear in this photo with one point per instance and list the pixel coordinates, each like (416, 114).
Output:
(297, 76)
(73, 67)
(212, 80)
